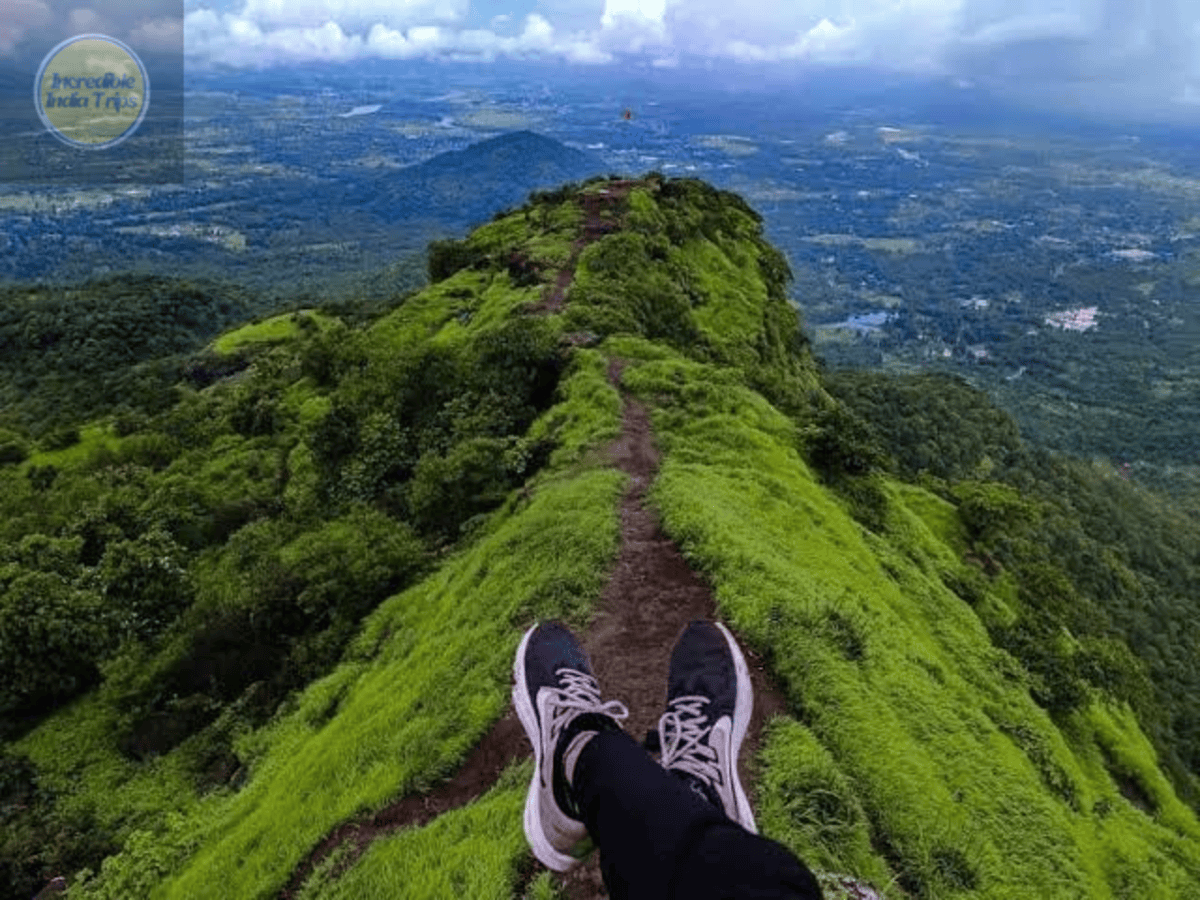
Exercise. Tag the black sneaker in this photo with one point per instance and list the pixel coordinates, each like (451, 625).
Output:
(709, 700)
(557, 698)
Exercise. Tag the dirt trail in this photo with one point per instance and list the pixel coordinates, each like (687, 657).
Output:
(649, 599)
(601, 212)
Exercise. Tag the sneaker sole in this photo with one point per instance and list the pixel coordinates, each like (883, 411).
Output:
(535, 830)
(743, 707)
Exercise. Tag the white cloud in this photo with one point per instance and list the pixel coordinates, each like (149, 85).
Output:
(1097, 55)
(353, 15)
(906, 34)
(825, 43)
(85, 21)
(651, 11)
(235, 40)
(164, 35)
(1032, 27)
(17, 17)
(1069, 48)
(633, 26)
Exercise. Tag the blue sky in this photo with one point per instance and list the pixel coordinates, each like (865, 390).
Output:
(1093, 54)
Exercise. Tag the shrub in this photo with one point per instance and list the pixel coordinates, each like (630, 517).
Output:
(327, 354)
(843, 444)
(447, 257)
(152, 449)
(350, 564)
(13, 447)
(13, 452)
(254, 415)
(145, 861)
(52, 637)
(18, 783)
(991, 510)
(145, 582)
(128, 421)
(43, 841)
(447, 490)
(60, 439)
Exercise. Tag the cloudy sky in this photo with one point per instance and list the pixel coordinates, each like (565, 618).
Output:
(1090, 53)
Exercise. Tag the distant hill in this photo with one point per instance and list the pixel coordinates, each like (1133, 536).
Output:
(471, 184)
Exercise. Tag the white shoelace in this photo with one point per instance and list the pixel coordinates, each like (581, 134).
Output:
(580, 694)
(681, 747)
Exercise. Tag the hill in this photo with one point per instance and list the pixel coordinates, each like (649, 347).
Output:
(469, 185)
(259, 642)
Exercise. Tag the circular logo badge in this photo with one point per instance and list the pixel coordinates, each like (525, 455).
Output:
(91, 91)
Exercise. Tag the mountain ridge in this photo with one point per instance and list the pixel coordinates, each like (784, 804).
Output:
(358, 528)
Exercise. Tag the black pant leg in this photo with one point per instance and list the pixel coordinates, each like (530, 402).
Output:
(730, 863)
(658, 839)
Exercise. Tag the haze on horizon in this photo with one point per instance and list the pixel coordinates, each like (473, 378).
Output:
(1100, 58)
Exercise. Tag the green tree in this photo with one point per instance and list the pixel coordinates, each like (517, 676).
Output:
(52, 637)
(993, 512)
(144, 582)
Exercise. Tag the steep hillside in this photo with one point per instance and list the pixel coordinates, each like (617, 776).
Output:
(259, 644)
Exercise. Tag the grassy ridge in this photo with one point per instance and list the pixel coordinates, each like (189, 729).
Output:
(400, 712)
(917, 755)
(406, 706)
(468, 852)
(386, 509)
(270, 330)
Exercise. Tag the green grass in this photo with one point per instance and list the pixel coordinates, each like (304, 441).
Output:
(426, 676)
(731, 316)
(75, 757)
(809, 804)
(923, 734)
(465, 304)
(269, 331)
(471, 852)
(544, 235)
(91, 437)
(494, 301)
(939, 516)
(503, 234)
(588, 417)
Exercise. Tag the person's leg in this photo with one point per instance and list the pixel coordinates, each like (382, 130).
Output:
(763, 869)
(660, 840)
